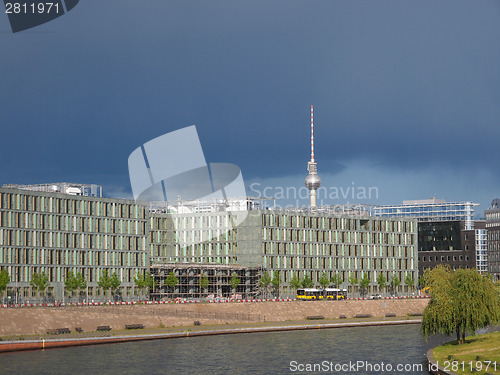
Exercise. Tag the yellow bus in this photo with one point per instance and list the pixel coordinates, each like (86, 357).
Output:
(335, 294)
(313, 294)
(309, 294)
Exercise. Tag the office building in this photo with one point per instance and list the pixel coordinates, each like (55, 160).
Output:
(57, 231)
(447, 232)
(292, 242)
(492, 217)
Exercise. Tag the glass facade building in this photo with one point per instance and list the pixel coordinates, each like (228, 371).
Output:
(446, 233)
(492, 216)
(292, 243)
(56, 233)
(430, 210)
(59, 233)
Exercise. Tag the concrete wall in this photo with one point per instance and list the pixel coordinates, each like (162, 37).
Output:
(39, 320)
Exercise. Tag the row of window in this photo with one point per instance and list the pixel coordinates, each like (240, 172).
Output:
(311, 262)
(339, 223)
(72, 206)
(329, 236)
(442, 258)
(286, 248)
(205, 249)
(71, 240)
(71, 257)
(42, 221)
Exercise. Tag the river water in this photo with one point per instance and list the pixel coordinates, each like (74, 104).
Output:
(360, 350)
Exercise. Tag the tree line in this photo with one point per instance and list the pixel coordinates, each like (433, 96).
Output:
(76, 282)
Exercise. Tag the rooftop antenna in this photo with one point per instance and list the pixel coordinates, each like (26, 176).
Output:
(313, 181)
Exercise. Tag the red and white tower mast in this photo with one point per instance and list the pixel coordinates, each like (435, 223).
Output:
(313, 181)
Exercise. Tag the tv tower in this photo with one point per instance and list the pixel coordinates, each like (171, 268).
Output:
(313, 181)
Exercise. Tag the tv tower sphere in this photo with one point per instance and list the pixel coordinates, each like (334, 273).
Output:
(313, 182)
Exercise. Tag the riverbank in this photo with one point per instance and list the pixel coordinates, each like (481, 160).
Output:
(479, 353)
(37, 321)
(120, 337)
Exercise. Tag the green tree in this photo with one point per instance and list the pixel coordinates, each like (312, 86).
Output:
(421, 282)
(307, 282)
(4, 280)
(104, 281)
(234, 282)
(151, 283)
(264, 282)
(462, 301)
(497, 284)
(336, 280)
(353, 281)
(276, 281)
(364, 283)
(80, 282)
(71, 283)
(381, 282)
(204, 282)
(324, 281)
(145, 281)
(140, 281)
(171, 281)
(295, 283)
(395, 283)
(39, 282)
(410, 283)
(115, 283)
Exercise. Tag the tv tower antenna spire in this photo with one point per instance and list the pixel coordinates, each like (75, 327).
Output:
(313, 181)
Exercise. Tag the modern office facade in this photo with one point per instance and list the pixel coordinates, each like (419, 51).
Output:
(56, 233)
(447, 232)
(294, 243)
(432, 209)
(492, 217)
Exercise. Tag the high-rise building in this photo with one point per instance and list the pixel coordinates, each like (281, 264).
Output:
(447, 232)
(492, 216)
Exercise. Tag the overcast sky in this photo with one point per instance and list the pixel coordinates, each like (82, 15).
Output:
(406, 93)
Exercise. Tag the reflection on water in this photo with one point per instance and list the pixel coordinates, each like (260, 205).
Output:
(256, 353)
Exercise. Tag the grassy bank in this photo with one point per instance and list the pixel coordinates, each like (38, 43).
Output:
(473, 356)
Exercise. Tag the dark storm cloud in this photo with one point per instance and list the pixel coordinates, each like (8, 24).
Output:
(403, 85)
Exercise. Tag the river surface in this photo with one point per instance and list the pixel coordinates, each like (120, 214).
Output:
(388, 350)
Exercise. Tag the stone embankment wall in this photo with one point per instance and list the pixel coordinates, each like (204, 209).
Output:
(39, 320)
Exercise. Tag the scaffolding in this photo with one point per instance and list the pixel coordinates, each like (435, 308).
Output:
(219, 281)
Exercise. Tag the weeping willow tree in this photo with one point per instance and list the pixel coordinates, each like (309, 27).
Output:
(461, 301)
